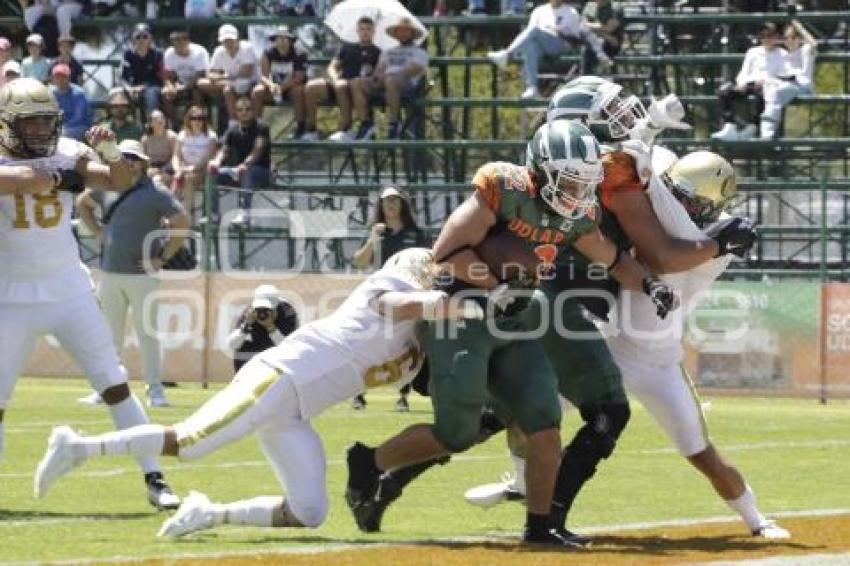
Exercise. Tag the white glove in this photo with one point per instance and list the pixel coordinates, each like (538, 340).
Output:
(108, 150)
(501, 296)
(642, 154)
(668, 113)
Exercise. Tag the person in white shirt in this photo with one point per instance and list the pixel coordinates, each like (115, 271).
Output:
(761, 64)
(234, 69)
(797, 79)
(370, 340)
(552, 29)
(184, 63)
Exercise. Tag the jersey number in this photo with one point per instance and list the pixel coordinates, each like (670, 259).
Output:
(48, 210)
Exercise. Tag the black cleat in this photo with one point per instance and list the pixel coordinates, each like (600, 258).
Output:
(159, 494)
(555, 537)
(369, 514)
(362, 486)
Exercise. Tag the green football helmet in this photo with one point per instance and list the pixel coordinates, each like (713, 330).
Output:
(566, 157)
(598, 103)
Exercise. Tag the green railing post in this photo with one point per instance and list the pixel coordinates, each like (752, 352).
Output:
(824, 234)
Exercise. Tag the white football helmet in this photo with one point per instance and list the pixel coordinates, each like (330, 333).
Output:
(30, 119)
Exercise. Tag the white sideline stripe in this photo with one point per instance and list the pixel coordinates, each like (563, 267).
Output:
(823, 443)
(495, 537)
(788, 560)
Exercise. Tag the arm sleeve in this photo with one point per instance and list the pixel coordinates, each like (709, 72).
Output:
(620, 177)
(744, 75)
(167, 204)
(806, 78)
(486, 183)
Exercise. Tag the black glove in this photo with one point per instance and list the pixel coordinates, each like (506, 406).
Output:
(734, 235)
(662, 296)
(69, 180)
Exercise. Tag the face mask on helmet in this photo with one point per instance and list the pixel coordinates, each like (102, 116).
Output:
(702, 210)
(620, 113)
(571, 192)
(38, 134)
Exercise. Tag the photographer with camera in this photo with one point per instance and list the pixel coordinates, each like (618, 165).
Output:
(262, 325)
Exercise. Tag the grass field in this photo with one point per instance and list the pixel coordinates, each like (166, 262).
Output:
(793, 452)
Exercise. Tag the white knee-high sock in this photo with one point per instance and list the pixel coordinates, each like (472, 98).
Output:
(747, 508)
(129, 413)
(143, 441)
(257, 512)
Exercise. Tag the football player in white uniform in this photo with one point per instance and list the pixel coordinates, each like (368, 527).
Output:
(368, 341)
(672, 219)
(44, 288)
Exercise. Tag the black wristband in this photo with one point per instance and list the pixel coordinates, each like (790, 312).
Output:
(647, 284)
(616, 260)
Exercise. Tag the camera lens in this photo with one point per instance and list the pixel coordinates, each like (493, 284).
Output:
(263, 314)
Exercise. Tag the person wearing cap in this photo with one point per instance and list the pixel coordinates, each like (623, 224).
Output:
(264, 324)
(65, 12)
(5, 57)
(35, 65)
(352, 63)
(553, 28)
(234, 69)
(120, 122)
(184, 63)
(66, 57)
(141, 69)
(283, 71)
(132, 254)
(398, 76)
(762, 64)
(11, 70)
(73, 101)
(392, 229)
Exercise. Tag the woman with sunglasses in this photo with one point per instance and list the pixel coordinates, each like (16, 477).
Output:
(196, 144)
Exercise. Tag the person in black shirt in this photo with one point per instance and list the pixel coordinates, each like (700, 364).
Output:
(353, 62)
(243, 159)
(393, 229)
(141, 69)
(283, 73)
(66, 48)
(261, 326)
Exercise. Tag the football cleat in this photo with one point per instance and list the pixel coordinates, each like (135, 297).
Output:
(554, 537)
(363, 476)
(771, 531)
(358, 403)
(91, 399)
(573, 538)
(402, 406)
(59, 459)
(159, 494)
(491, 494)
(368, 514)
(195, 514)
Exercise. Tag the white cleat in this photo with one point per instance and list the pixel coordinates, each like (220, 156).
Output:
(58, 460)
(530, 93)
(91, 399)
(771, 531)
(729, 132)
(499, 58)
(748, 132)
(156, 397)
(195, 514)
(491, 494)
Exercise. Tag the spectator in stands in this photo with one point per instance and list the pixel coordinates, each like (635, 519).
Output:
(65, 12)
(296, 8)
(184, 63)
(66, 57)
(159, 142)
(198, 9)
(392, 229)
(552, 29)
(130, 259)
(233, 71)
(72, 100)
(762, 63)
(353, 62)
(141, 69)
(5, 57)
(196, 145)
(11, 70)
(283, 71)
(797, 78)
(243, 159)
(264, 324)
(605, 18)
(479, 7)
(35, 65)
(120, 122)
(399, 75)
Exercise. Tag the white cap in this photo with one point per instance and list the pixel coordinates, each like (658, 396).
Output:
(227, 31)
(266, 297)
(35, 38)
(12, 67)
(391, 192)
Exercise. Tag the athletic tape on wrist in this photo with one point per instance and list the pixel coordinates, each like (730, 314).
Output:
(109, 151)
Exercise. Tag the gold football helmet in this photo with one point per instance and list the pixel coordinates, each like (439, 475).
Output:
(30, 119)
(704, 183)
